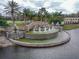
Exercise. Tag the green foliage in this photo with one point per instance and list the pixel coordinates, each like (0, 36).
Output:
(42, 14)
(55, 17)
(50, 21)
(71, 26)
(28, 14)
(3, 23)
(12, 8)
(34, 41)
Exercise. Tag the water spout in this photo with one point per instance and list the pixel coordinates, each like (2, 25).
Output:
(45, 29)
(39, 29)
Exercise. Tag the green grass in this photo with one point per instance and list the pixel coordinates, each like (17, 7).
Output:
(71, 26)
(34, 41)
(30, 32)
(17, 22)
(66, 27)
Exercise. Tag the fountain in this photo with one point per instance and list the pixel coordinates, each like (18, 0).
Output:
(45, 29)
(47, 35)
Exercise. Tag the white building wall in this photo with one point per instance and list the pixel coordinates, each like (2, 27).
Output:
(71, 20)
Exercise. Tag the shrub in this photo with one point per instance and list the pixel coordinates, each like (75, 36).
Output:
(3, 23)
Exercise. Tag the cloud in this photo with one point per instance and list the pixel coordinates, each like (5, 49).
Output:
(38, 3)
(67, 6)
(76, 6)
(54, 5)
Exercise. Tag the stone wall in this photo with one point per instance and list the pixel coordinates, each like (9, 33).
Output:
(41, 36)
(22, 34)
(56, 42)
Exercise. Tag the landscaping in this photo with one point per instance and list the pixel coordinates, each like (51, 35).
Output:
(71, 26)
(17, 22)
(33, 27)
(66, 26)
(3, 23)
(62, 38)
(34, 41)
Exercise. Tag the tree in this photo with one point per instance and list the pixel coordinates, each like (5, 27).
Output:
(12, 8)
(26, 13)
(30, 14)
(3, 22)
(19, 16)
(56, 17)
(42, 14)
(35, 16)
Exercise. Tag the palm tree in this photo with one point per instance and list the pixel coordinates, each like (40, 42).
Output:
(31, 14)
(35, 16)
(19, 15)
(42, 14)
(56, 17)
(12, 8)
(26, 13)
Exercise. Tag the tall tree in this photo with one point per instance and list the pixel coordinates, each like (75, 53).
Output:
(35, 16)
(26, 14)
(56, 17)
(42, 13)
(12, 8)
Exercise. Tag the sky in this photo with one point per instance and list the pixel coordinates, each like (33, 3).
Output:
(66, 6)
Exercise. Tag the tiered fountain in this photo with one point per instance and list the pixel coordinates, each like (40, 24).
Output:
(47, 35)
(43, 32)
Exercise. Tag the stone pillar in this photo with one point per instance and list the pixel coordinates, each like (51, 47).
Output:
(7, 35)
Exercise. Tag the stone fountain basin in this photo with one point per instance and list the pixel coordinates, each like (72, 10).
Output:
(42, 36)
(63, 37)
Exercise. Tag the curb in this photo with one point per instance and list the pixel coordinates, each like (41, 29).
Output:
(45, 45)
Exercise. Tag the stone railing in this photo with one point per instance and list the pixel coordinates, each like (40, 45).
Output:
(13, 35)
(22, 34)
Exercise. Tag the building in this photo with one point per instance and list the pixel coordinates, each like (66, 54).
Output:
(71, 19)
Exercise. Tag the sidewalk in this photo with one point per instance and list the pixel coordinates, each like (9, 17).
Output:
(4, 42)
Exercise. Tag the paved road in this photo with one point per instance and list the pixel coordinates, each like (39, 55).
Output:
(67, 51)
